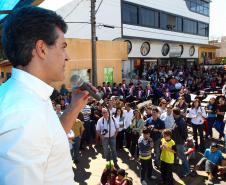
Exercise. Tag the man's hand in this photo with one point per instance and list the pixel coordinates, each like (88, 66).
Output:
(78, 101)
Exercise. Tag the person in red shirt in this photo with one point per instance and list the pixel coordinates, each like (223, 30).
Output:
(120, 178)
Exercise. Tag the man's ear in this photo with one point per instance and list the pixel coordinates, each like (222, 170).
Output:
(41, 49)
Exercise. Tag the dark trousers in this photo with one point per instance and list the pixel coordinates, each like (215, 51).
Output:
(120, 139)
(134, 144)
(128, 135)
(196, 129)
(86, 137)
(167, 173)
(211, 121)
(146, 169)
(211, 168)
(220, 128)
(93, 129)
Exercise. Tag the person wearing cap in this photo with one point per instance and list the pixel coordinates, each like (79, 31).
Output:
(121, 178)
(212, 157)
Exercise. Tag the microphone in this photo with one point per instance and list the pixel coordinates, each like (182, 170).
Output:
(78, 83)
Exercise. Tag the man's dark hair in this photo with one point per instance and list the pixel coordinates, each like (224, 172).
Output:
(176, 111)
(146, 130)
(24, 27)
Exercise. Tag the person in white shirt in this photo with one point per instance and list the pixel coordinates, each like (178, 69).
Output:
(128, 116)
(168, 118)
(197, 115)
(224, 89)
(111, 108)
(34, 146)
(119, 118)
(59, 112)
(71, 137)
(107, 128)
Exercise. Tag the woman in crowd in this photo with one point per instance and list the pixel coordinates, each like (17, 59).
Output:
(182, 105)
(119, 118)
(211, 109)
(197, 114)
(162, 106)
(137, 127)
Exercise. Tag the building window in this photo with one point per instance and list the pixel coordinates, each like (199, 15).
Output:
(145, 48)
(192, 51)
(129, 46)
(148, 17)
(165, 49)
(179, 24)
(138, 15)
(203, 29)
(168, 22)
(190, 26)
(198, 6)
(130, 13)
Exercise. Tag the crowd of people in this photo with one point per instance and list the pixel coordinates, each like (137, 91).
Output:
(161, 126)
(33, 141)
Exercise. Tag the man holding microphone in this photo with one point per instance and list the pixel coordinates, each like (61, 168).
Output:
(33, 143)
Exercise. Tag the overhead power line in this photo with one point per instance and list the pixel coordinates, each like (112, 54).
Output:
(99, 6)
(73, 9)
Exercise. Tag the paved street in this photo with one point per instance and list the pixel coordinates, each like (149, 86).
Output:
(90, 168)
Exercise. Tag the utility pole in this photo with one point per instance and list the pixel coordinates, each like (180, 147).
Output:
(93, 41)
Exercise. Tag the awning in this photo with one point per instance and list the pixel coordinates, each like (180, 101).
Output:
(6, 6)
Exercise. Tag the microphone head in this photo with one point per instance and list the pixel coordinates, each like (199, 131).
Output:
(76, 81)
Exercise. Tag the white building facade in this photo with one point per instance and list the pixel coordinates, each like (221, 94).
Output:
(163, 32)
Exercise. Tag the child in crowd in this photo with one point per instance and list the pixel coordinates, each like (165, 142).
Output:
(190, 148)
(109, 174)
(78, 130)
(121, 178)
(145, 144)
(168, 149)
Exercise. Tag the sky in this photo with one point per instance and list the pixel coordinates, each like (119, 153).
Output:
(217, 19)
(217, 15)
(54, 4)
